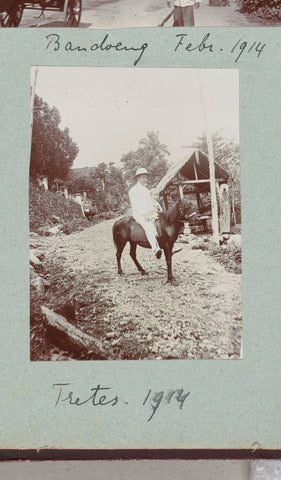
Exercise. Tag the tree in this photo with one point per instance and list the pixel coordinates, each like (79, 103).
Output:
(110, 186)
(227, 155)
(151, 154)
(52, 150)
(104, 184)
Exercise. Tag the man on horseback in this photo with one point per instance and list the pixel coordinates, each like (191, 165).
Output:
(144, 208)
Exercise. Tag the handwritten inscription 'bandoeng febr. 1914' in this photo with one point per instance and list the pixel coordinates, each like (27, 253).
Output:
(102, 396)
(180, 43)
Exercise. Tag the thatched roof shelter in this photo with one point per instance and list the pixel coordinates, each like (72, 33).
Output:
(193, 170)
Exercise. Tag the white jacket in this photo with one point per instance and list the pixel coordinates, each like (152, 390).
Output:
(185, 3)
(141, 201)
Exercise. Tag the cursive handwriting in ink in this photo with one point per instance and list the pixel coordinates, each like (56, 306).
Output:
(96, 398)
(243, 46)
(184, 44)
(157, 398)
(189, 47)
(56, 43)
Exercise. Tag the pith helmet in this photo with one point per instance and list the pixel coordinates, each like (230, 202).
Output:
(141, 171)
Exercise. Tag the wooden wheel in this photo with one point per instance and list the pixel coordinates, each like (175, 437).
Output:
(12, 17)
(73, 13)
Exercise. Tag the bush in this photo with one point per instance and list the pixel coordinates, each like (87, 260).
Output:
(269, 9)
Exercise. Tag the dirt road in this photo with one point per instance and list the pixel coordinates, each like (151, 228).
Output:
(142, 316)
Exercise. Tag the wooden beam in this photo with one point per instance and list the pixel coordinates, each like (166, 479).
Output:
(186, 182)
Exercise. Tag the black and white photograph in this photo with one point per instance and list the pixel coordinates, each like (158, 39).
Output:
(135, 214)
(96, 14)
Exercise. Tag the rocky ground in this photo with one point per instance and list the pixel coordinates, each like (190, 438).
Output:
(134, 316)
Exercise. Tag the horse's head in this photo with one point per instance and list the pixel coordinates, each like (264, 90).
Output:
(184, 209)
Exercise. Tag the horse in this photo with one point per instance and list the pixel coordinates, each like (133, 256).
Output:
(169, 225)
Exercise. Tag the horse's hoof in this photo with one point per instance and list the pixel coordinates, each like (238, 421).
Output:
(143, 272)
(174, 282)
(121, 273)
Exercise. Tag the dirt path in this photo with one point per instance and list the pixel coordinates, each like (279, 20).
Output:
(142, 316)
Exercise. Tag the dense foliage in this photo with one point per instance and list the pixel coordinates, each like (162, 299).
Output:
(227, 155)
(52, 149)
(269, 9)
(48, 208)
(150, 154)
(104, 184)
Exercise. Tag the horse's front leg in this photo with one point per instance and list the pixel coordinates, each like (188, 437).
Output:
(168, 255)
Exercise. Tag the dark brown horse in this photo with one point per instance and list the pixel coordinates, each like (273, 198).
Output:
(169, 225)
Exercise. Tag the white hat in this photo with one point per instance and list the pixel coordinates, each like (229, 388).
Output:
(141, 171)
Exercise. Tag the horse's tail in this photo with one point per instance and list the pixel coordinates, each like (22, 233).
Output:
(115, 234)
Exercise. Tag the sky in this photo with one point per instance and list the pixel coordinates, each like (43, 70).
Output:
(109, 110)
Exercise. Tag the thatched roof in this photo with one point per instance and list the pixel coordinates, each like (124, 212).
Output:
(185, 167)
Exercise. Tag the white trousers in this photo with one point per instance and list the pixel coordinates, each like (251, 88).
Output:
(150, 232)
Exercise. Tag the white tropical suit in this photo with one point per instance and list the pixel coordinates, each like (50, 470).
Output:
(144, 211)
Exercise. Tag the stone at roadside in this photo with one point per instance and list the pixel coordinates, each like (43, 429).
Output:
(235, 240)
(38, 283)
(55, 230)
(55, 219)
(110, 335)
(43, 231)
(34, 240)
(33, 259)
(38, 253)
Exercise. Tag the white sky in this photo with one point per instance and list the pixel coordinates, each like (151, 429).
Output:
(108, 110)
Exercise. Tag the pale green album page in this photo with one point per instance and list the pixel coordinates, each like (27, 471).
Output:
(102, 132)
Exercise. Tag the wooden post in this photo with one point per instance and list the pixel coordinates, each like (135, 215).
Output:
(233, 202)
(225, 209)
(198, 201)
(215, 220)
(180, 189)
(165, 198)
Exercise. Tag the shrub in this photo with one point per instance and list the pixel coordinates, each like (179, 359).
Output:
(269, 9)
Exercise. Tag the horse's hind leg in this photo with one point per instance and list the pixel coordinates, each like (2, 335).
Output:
(133, 253)
(119, 251)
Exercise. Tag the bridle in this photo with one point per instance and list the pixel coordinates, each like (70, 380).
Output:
(184, 217)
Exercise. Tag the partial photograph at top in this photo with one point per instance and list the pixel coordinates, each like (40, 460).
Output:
(130, 13)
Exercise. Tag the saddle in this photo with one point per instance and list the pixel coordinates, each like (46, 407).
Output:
(137, 232)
